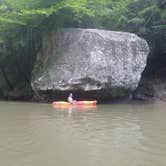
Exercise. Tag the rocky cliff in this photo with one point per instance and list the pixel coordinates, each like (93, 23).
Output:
(91, 63)
(152, 86)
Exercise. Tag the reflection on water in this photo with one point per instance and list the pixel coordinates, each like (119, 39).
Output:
(39, 134)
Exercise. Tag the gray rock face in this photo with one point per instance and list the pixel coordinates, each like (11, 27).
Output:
(106, 62)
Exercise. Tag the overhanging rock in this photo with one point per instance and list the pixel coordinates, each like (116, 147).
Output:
(102, 64)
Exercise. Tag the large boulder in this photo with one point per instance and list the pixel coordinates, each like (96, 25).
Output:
(91, 63)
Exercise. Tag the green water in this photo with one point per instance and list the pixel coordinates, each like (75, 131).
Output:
(33, 134)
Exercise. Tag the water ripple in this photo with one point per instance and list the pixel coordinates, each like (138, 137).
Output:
(34, 134)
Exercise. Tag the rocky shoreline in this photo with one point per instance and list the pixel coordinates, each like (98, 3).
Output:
(93, 64)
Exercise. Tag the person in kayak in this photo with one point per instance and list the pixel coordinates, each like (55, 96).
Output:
(70, 98)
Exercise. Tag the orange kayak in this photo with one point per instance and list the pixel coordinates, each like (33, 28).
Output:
(81, 103)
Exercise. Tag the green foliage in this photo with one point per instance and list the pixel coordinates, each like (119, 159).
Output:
(130, 15)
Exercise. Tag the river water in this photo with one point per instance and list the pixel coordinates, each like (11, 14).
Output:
(33, 134)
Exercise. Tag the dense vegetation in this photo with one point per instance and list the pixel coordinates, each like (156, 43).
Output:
(23, 21)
